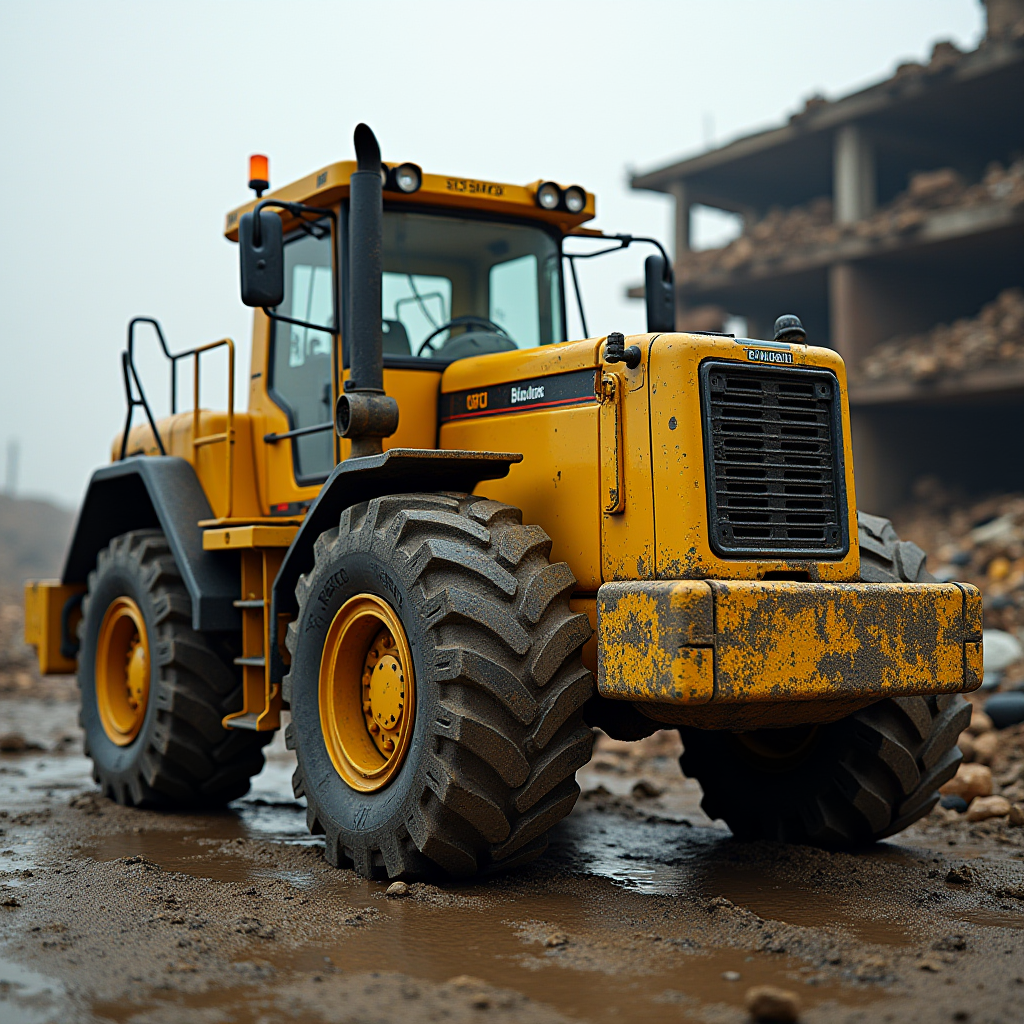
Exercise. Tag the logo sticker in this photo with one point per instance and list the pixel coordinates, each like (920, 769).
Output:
(762, 355)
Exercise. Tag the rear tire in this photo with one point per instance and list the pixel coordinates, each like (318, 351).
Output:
(499, 687)
(179, 754)
(845, 783)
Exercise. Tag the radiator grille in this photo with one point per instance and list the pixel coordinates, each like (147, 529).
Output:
(774, 460)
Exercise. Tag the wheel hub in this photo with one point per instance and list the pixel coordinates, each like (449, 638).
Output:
(366, 693)
(122, 671)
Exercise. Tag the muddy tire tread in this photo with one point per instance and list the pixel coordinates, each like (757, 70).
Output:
(891, 759)
(505, 652)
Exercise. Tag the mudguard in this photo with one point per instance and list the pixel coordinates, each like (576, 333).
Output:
(396, 471)
(164, 493)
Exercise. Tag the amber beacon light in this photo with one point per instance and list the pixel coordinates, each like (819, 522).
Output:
(259, 173)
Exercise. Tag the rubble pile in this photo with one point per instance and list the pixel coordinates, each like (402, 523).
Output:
(783, 232)
(996, 334)
(979, 542)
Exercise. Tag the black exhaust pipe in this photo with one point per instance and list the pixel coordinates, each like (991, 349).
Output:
(364, 414)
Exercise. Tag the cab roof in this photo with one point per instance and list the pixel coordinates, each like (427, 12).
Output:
(331, 183)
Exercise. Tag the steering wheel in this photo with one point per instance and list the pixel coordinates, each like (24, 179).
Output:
(467, 322)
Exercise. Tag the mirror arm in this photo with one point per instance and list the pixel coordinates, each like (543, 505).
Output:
(299, 323)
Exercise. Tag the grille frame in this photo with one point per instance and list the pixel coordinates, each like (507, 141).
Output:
(779, 544)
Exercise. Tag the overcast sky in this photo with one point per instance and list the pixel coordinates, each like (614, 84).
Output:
(127, 128)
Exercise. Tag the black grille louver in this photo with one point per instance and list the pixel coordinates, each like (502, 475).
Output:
(773, 452)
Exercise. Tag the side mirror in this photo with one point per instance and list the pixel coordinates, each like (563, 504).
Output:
(261, 258)
(659, 294)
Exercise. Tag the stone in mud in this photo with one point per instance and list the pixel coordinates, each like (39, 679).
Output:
(980, 723)
(771, 1005)
(730, 975)
(646, 790)
(985, 747)
(984, 807)
(1006, 709)
(971, 780)
(556, 939)
(397, 890)
(960, 874)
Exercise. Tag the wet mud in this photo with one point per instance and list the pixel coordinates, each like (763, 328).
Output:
(641, 910)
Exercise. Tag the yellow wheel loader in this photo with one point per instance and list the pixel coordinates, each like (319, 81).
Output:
(451, 542)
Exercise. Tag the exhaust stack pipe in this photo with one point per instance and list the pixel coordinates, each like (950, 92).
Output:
(365, 414)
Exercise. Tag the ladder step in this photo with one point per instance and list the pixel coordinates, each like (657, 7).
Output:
(247, 721)
(254, 603)
(259, 662)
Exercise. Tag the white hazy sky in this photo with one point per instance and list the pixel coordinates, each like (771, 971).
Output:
(126, 128)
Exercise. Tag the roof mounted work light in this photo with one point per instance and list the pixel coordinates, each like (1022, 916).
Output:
(549, 196)
(575, 199)
(407, 178)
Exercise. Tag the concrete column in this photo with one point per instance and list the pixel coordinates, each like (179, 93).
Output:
(682, 232)
(853, 175)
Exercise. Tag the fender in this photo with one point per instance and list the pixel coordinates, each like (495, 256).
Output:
(396, 471)
(158, 492)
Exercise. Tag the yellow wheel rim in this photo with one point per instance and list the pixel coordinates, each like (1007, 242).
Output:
(367, 693)
(122, 671)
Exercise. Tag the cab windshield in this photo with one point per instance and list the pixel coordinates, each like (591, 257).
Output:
(455, 287)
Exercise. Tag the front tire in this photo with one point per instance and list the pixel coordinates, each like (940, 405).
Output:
(495, 687)
(845, 783)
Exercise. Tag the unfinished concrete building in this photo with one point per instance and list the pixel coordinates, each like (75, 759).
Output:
(892, 222)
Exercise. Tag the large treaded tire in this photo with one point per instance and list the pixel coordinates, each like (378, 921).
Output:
(500, 685)
(854, 781)
(182, 755)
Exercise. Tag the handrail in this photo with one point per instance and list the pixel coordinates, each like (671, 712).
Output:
(131, 376)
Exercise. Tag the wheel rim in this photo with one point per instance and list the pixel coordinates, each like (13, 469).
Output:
(367, 693)
(122, 671)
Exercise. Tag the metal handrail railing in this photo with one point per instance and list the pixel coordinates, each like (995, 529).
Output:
(137, 397)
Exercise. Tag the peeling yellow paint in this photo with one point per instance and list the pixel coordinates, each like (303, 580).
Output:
(779, 641)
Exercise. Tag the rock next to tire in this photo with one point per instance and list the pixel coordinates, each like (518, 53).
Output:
(857, 780)
(499, 683)
(182, 756)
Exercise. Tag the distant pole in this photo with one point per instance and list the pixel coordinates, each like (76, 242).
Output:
(11, 476)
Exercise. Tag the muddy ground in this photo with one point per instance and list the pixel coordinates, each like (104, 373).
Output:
(642, 910)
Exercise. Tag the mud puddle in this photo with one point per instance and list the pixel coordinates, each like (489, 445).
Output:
(28, 997)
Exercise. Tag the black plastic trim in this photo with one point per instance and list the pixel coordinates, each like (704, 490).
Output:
(158, 492)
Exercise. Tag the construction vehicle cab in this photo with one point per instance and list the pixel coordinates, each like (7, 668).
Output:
(449, 541)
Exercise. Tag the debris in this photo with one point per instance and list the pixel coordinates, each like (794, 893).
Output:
(1001, 649)
(985, 747)
(770, 1004)
(1006, 709)
(397, 889)
(646, 790)
(971, 780)
(980, 723)
(994, 335)
(960, 874)
(984, 807)
(12, 743)
(556, 939)
(87, 803)
(950, 944)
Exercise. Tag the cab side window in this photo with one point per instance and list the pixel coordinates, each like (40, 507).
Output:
(300, 357)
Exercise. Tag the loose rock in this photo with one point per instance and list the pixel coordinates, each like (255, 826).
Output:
(985, 807)
(397, 890)
(1006, 709)
(12, 743)
(960, 874)
(954, 803)
(980, 722)
(646, 790)
(971, 780)
(986, 747)
(775, 1005)
(1016, 815)
(556, 939)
